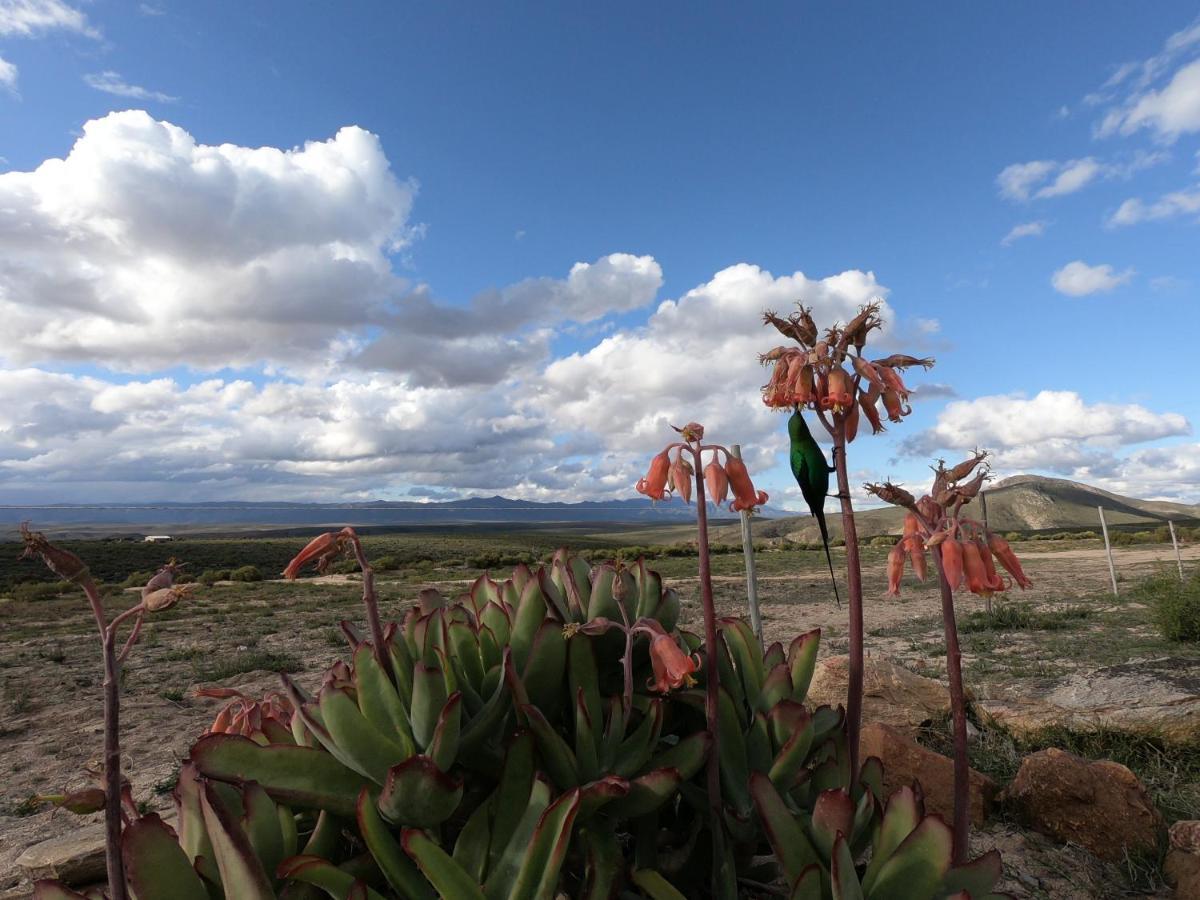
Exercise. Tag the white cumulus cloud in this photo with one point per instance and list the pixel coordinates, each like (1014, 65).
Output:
(1046, 178)
(31, 18)
(1160, 94)
(1024, 230)
(1078, 279)
(1168, 206)
(8, 75)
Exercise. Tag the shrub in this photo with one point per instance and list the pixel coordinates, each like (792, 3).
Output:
(389, 563)
(246, 573)
(210, 577)
(1175, 605)
(137, 579)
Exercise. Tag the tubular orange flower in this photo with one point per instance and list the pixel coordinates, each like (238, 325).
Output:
(895, 568)
(1008, 559)
(973, 570)
(717, 482)
(324, 548)
(672, 667)
(868, 401)
(802, 387)
(851, 422)
(995, 582)
(952, 562)
(891, 379)
(916, 553)
(894, 405)
(839, 389)
(868, 372)
(681, 477)
(745, 496)
(654, 484)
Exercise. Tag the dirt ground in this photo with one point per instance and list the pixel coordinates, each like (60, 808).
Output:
(240, 635)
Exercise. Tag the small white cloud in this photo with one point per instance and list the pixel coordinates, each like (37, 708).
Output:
(32, 18)
(1165, 284)
(8, 76)
(149, 9)
(1017, 181)
(1168, 206)
(112, 83)
(1045, 178)
(1169, 113)
(1025, 229)
(1078, 279)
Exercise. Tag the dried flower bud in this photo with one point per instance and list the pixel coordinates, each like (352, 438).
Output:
(165, 598)
(62, 563)
(901, 361)
(691, 432)
(963, 469)
(892, 493)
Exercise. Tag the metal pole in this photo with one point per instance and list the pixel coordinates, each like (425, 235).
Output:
(1112, 572)
(1175, 544)
(748, 553)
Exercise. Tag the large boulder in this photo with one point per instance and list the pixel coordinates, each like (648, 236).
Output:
(904, 760)
(73, 858)
(891, 694)
(1155, 696)
(1182, 865)
(1100, 806)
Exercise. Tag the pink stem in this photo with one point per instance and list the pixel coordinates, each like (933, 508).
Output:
(372, 605)
(112, 768)
(958, 711)
(712, 681)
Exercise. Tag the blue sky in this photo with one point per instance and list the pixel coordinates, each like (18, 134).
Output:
(393, 311)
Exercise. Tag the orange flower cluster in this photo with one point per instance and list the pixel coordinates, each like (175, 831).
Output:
(968, 550)
(814, 375)
(266, 721)
(671, 472)
(324, 548)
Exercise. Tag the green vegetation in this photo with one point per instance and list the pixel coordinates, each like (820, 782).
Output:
(1021, 617)
(1175, 605)
(246, 573)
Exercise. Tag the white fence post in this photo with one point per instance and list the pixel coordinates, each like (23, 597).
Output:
(748, 552)
(1112, 572)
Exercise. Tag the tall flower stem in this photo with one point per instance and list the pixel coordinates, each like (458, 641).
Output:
(712, 681)
(958, 711)
(112, 768)
(371, 602)
(854, 690)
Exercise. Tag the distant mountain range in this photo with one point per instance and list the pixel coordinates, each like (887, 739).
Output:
(1019, 503)
(95, 519)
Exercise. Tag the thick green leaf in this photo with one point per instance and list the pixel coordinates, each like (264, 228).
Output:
(602, 862)
(325, 875)
(870, 777)
(845, 879)
(417, 793)
(809, 885)
(586, 754)
(539, 870)
(531, 612)
(429, 696)
(977, 877)
(260, 821)
(297, 776)
(832, 814)
(397, 868)
(583, 676)
(378, 700)
(654, 885)
(789, 762)
(503, 873)
(919, 864)
(646, 794)
(899, 819)
(544, 672)
(687, 756)
(595, 795)
(443, 748)
(471, 846)
(634, 752)
(193, 836)
(448, 878)
(512, 794)
(156, 867)
(793, 850)
(557, 757)
(242, 874)
(802, 660)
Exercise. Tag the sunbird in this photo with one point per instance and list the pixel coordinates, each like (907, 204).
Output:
(812, 474)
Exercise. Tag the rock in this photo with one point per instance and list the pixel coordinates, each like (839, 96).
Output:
(905, 760)
(75, 858)
(1182, 865)
(1157, 696)
(891, 694)
(1101, 806)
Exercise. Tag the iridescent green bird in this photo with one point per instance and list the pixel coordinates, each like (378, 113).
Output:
(812, 474)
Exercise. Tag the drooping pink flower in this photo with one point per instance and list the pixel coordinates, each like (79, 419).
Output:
(672, 667)
(745, 496)
(654, 484)
(952, 562)
(681, 476)
(895, 568)
(1008, 559)
(716, 482)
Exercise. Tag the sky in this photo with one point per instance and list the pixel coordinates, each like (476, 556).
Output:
(316, 251)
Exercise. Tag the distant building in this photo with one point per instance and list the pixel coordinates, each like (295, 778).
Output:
(157, 538)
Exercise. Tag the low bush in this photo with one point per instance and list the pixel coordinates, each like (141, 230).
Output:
(246, 573)
(1175, 605)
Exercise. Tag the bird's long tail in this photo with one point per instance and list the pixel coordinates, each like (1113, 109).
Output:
(820, 515)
